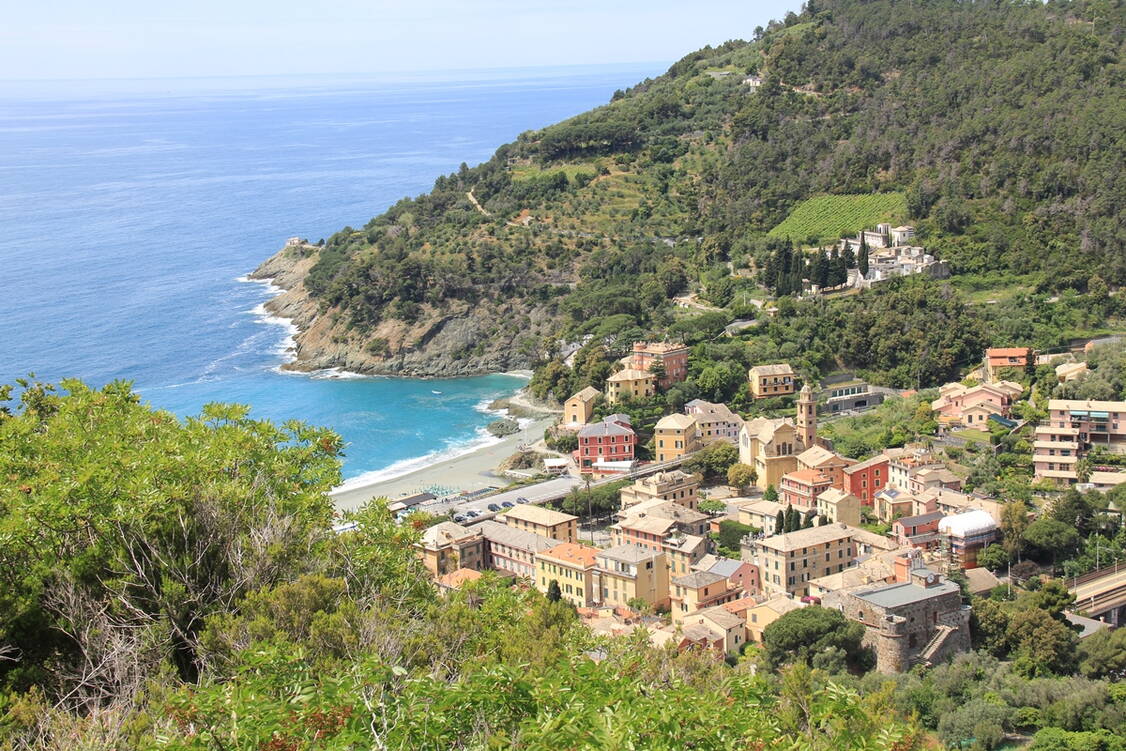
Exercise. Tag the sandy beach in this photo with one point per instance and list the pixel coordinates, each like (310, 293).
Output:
(471, 471)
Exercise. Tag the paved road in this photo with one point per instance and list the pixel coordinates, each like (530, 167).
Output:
(1101, 591)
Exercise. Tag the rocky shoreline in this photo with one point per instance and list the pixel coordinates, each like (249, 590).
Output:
(459, 340)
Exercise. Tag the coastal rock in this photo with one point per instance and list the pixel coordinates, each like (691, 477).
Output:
(501, 428)
(457, 340)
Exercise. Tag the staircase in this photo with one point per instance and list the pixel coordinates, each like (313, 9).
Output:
(935, 645)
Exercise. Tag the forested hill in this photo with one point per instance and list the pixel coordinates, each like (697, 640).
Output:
(997, 128)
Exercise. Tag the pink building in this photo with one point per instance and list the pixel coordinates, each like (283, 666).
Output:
(918, 531)
(611, 440)
(972, 406)
(801, 488)
(674, 357)
(1073, 427)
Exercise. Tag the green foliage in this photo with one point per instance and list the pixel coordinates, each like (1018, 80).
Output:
(731, 534)
(893, 423)
(818, 637)
(740, 475)
(825, 219)
(993, 557)
(713, 461)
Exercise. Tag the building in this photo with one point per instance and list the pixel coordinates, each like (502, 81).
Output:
(920, 621)
(630, 384)
(672, 358)
(904, 463)
(672, 485)
(919, 531)
(768, 611)
(881, 567)
(629, 573)
(866, 478)
(932, 478)
(512, 549)
(741, 575)
(787, 562)
(1070, 371)
(699, 590)
(456, 579)
(959, 405)
(578, 410)
(572, 567)
(801, 488)
(847, 394)
(892, 503)
(837, 506)
(902, 235)
(951, 502)
(999, 359)
(447, 546)
(714, 422)
(1072, 429)
(964, 535)
(679, 532)
(771, 380)
(554, 525)
(826, 461)
(611, 440)
(675, 436)
(719, 621)
(771, 445)
(903, 260)
(761, 514)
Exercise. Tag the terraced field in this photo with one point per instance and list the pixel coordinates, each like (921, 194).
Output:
(830, 217)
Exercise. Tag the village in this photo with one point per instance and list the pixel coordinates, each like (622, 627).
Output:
(891, 541)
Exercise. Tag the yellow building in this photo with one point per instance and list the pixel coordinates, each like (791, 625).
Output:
(630, 384)
(674, 436)
(772, 445)
(628, 572)
(447, 546)
(699, 590)
(787, 562)
(571, 566)
(763, 614)
(542, 521)
(578, 410)
(674, 485)
(771, 380)
(838, 506)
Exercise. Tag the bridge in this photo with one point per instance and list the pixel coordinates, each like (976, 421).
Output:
(1102, 594)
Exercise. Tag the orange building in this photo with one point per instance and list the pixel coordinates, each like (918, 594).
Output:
(674, 358)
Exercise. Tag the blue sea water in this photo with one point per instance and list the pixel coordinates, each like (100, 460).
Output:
(130, 210)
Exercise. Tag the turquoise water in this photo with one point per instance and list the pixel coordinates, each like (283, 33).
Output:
(130, 211)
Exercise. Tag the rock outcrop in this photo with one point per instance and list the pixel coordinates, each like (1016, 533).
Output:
(456, 340)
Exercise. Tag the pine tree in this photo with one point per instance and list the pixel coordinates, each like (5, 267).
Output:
(780, 523)
(849, 255)
(553, 592)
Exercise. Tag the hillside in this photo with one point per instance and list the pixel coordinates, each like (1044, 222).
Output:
(1001, 123)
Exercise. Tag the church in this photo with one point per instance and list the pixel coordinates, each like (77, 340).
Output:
(771, 445)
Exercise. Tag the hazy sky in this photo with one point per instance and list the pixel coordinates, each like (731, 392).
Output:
(152, 38)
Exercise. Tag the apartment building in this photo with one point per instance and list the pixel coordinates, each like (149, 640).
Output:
(787, 562)
(771, 380)
(571, 566)
(674, 485)
(673, 358)
(511, 549)
(674, 436)
(865, 479)
(542, 521)
(714, 422)
(1072, 429)
(629, 572)
(630, 383)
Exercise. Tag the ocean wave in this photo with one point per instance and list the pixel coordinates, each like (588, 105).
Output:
(482, 439)
(336, 374)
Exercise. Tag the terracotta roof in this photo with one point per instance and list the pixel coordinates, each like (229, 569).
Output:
(675, 422)
(457, 577)
(1008, 351)
(808, 476)
(573, 553)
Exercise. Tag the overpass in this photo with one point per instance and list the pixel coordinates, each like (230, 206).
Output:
(1102, 594)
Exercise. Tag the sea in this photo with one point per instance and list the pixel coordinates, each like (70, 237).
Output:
(131, 212)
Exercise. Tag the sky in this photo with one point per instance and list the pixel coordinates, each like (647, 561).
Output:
(80, 39)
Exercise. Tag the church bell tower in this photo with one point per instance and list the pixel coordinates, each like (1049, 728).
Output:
(807, 417)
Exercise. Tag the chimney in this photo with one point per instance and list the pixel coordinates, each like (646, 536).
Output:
(902, 568)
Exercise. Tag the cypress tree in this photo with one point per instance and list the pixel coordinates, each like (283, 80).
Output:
(779, 523)
(862, 260)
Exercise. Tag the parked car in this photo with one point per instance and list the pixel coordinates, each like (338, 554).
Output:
(459, 518)
(494, 507)
(473, 514)
(507, 504)
(522, 499)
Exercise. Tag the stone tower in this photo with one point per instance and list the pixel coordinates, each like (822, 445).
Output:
(807, 417)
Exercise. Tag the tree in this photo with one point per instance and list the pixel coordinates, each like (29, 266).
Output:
(740, 475)
(712, 507)
(771, 494)
(993, 557)
(1051, 537)
(1053, 598)
(1073, 509)
(862, 257)
(1041, 644)
(731, 534)
(780, 522)
(554, 594)
(1014, 521)
(1103, 654)
(804, 634)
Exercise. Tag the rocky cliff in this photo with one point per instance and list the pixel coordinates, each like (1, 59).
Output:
(457, 340)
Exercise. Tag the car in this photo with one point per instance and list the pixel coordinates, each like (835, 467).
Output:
(494, 507)
(522, 499)
(507, 504)
(459, 518)
(473, 513)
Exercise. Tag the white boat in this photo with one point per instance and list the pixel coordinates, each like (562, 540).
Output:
(432, 391)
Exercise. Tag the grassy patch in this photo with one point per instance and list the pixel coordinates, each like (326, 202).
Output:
(830, 217)
(528, 171)
(971, 435)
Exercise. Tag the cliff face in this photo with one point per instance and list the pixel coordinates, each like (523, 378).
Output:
(458, 340)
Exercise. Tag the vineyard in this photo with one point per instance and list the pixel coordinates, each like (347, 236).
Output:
(823, 219)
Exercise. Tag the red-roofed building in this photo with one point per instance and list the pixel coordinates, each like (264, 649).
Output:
(999, 358)
(674, 358)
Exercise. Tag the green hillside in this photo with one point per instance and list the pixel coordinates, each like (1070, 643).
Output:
(996, 126)
(824, 219)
